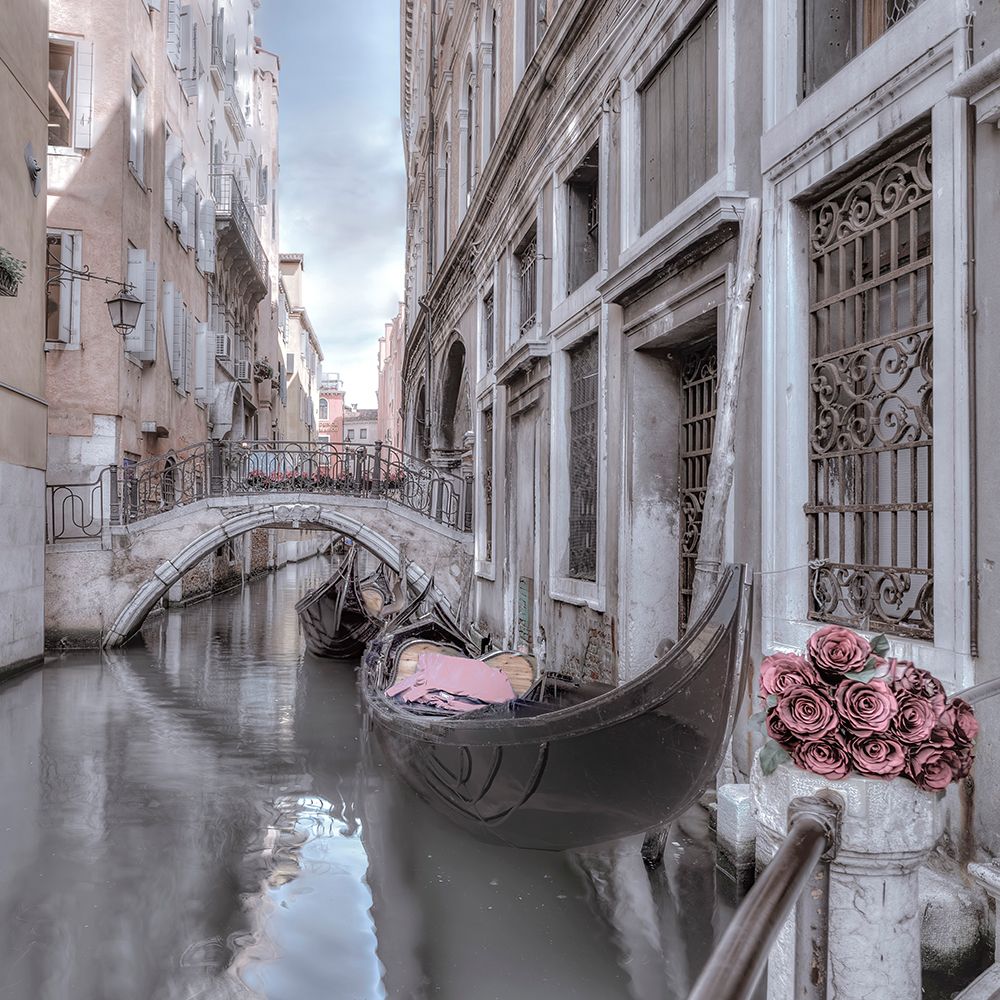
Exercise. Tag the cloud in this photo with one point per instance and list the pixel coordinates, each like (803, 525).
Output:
(341, 187)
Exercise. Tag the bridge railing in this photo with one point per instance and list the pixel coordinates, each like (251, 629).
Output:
(77, 511)
(244, 468)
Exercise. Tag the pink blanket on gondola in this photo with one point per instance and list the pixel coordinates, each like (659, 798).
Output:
(452, 684)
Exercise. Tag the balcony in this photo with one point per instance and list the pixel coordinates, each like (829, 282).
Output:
(239, 247)
(234, 110)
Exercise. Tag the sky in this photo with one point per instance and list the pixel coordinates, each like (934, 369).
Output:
(341, 188)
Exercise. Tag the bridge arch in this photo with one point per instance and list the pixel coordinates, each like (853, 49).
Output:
(264, 512)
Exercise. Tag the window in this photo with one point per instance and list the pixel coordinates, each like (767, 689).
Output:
(173, 184)
(680, 122)
(534, 26)
(363, 434)
(489, 346)
(869, 512)
(469, 158)
(62, 311)
(488, 484)
(137, 126)
(324, 409)
(583, 400)
(71, 83)
(583, 221)
(324, 438)
(836, 32)
(494, 80)
(526, 259)
(350, 434)
(144, 284)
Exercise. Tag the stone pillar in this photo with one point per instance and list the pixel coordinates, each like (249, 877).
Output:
(987, 986)
(889, 828)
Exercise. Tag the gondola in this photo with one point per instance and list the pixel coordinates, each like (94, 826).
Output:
(343, 614)
(571, 764)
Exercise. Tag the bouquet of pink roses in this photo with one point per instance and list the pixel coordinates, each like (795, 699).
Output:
(845, 706)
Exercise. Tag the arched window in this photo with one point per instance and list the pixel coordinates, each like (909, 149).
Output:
(494, 77)
(324, 409)
(468, 153)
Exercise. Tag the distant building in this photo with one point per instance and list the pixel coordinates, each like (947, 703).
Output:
(303, 355)
(360, 426)
(331, 409)
(390, 380)
(23, 91)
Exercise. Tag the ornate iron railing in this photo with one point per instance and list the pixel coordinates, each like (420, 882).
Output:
(75, 512)
(244, 468)
(231, 208)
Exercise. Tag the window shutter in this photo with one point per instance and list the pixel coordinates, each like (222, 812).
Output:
(172, 191)
(168, 323)
(177, 366)
(152, 289)
(190, 196)
(67, 289)
(189, 354)
(206, 236)
(200, 362)
(291, 363)
(282, 384)
(84, 132)
(136, 277)
(208, 346)
(174, 32)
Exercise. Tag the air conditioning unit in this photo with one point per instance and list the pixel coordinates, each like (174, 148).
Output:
(241, 369)
(223, 345)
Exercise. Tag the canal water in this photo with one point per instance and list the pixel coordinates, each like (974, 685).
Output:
(202, 816)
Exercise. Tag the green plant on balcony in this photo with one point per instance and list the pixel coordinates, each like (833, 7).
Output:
(11, 272)
(263, 370)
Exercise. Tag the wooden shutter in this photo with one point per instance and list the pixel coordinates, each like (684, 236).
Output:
(148, 352)
(200, 362)
(189, 211)
(67, 288)
(206, 237)
(174, 32)
(136, 277)
(168, 324)
(84, 109)
(177, 365)
(172, 189)
(189, 353)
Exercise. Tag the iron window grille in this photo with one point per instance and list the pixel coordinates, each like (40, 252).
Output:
(489, 346)
(870, 512)
(583, 421)
(488, 484)
(527, 261)
(699, 385)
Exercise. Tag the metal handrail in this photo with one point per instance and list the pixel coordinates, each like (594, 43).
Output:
(804, 857)
(980, 692)
(230, 205)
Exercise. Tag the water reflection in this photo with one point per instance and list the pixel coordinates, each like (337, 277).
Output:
(200, 817)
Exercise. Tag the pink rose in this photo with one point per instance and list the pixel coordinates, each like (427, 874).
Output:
(922, 682)
(932, 768)
(780, 672)
(959, 719)
(915, 720)
(962, 761)
(836, 651)
(827, 757)
(866, 708)
(806, 713)
(877, 756)
(778, 731)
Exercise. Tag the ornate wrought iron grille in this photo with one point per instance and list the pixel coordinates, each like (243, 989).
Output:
(870, 513)
(583, 361)
(699, 383)
(489, 344)
(488, 484)
(526, 259)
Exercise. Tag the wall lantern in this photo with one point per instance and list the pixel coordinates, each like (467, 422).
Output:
(125, 309)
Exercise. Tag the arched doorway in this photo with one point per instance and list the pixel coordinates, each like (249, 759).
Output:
(456, 412)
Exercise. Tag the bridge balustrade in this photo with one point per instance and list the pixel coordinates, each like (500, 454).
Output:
(209, 469)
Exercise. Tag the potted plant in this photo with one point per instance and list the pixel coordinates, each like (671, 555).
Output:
(262, 370)
(11, 272)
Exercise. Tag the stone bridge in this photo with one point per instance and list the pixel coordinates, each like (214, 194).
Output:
(110, 563)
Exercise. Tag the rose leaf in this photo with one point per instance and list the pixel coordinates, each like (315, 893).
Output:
(880, 645)
(862, 676)
(772, 700)
(758, 718)
(771, 756)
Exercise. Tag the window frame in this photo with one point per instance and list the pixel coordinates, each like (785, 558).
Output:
(518, 329)
(562, 586)
(82, 107)
(71, 285)
(486, 561)
(138, 106)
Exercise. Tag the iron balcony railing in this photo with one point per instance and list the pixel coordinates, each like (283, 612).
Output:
(797, 876)
(231, 209)
(77, 512)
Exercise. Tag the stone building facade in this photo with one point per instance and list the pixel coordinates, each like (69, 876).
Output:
(577, 176)
(331, 408)
(390, 381)
(360, 425)
(23, 402)
(303, 356)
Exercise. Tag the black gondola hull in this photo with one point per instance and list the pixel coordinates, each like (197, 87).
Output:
(615, 765)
